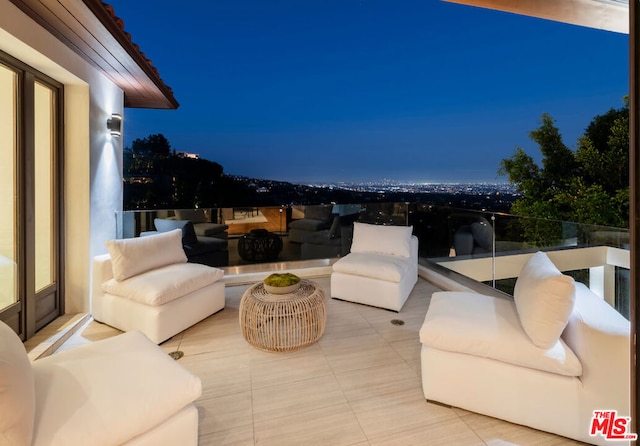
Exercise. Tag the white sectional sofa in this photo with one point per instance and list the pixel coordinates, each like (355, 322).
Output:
(123, 390)
(546, 359)
(381, 269)
(146, 284)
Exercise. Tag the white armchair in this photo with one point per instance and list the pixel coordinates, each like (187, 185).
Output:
(146, 284)
(381, 269)
(123, 390)
(547, 359)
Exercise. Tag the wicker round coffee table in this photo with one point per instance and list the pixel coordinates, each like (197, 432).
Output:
(283, 322)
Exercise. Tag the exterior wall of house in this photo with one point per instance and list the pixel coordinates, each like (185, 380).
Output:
(92, 158)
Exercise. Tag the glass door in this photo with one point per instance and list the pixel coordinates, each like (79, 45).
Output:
(30, 198)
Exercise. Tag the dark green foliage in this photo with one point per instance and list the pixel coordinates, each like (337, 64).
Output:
(590, 185)
(603, 151)
(155, 146)
(558, 160)
(157, 179)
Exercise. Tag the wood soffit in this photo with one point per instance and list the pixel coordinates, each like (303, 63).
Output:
(610, 15)
(92, 30)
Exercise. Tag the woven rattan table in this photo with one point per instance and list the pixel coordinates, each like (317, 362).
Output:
(283, 322)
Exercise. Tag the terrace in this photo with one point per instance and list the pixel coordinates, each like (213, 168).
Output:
(339, 391)
(329, 391)
(359, 385)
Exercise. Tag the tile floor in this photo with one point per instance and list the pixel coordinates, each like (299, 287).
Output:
(359, 385)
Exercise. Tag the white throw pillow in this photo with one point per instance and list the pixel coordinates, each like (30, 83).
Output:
(133, 256)
(17, 390)
(544, 299)
(390, 240)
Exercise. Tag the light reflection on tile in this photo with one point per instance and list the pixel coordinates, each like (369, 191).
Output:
(398, 412)
(444, 433)
(335, 425)
(286, 400)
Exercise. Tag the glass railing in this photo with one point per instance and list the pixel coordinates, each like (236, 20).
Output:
(487, 247)
(307, 232)
(491, 248)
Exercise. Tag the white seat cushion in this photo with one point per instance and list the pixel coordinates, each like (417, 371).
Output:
(384, 267)
(108, 392)
(162, 285)
(489, 327)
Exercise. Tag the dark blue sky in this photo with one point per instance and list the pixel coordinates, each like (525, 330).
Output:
(354, 90)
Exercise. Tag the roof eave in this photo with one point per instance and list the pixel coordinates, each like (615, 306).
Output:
(91, 30)
(599, 14)
(115, 26)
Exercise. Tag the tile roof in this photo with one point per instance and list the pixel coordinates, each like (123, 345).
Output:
(92, 30)
(120, 23)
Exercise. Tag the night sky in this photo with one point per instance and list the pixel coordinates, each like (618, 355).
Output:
(362, 90)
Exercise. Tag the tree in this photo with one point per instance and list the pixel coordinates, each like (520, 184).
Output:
(156, 146)
(590, 185)
(603, 151)
(158, 178)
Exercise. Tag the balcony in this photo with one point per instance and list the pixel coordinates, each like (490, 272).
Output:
(360, 384)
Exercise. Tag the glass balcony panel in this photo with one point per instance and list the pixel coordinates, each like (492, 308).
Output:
(489, 248)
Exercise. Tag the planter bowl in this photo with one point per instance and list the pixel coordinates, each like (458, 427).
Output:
(281, 289)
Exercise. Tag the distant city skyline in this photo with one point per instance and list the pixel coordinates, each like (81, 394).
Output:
(355, 91)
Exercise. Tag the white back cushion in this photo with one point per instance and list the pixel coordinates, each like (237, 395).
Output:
(544, 298)
(389, 240)
(17, 390)
(133, 256)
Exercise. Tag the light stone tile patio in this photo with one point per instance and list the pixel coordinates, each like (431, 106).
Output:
(359, 385)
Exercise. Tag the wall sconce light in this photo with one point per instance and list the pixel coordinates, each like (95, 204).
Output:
(114, 124)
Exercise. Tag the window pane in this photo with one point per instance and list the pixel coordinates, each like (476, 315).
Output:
(8, 198)
(44, 185)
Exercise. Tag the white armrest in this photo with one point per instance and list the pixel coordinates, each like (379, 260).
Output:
(599, 336)
(101, 273)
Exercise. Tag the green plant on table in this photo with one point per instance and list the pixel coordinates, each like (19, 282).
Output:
(281, 280)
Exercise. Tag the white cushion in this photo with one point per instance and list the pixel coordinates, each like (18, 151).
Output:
(378, 266)
(17, 391)
(390, 240)
(487, 326)
(544, 299)
(108, 392)
(132, 256)
(162, 285)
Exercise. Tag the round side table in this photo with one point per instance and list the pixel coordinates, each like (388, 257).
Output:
(283, 322)
(259, 245)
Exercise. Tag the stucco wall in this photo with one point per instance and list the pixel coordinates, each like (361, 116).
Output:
(93, 160)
